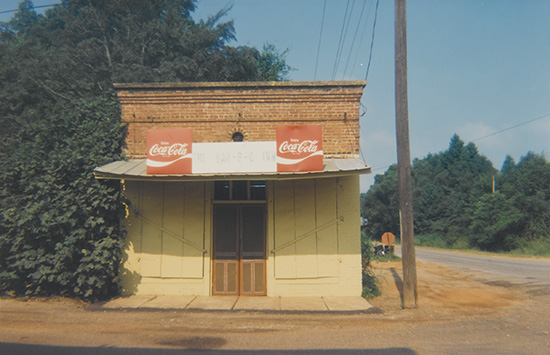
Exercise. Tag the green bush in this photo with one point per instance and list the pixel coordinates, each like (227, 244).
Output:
(369, 281)
(59, 226)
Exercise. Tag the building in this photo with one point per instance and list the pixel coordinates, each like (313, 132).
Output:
(238, 225)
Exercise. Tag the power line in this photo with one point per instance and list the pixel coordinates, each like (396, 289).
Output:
(509, 128)
(341, 41)
(489, 135)
(372, 39)
(34, 7)
(354, 37)
(382, 167)
(320, 35)
(361, 39)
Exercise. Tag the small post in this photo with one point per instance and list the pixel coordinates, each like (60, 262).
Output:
(404, 157)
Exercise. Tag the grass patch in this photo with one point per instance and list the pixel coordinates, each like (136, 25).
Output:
(537, 247)
(389, 257)
(431, 240)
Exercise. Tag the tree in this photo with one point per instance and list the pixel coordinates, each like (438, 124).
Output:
(59, 226)
(272, 65)
(446, 187)
(380, 205)
(497, 223)
(519, 212)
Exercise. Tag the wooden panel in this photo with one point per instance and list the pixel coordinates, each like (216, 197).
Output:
(152, 209)
(259, 277)
(219, 277)
(133, 223)
(253, 277)
(172, 248)
(327, 239)
(285, 259)
(132, 247)
(225, 277)
(348, 207)
(246, 277)
(306, 249)
(193, 229)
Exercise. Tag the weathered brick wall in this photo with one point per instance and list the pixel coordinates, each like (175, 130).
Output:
(216, 110)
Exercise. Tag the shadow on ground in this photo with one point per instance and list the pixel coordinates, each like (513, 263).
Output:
(398, 282)
(28, 349)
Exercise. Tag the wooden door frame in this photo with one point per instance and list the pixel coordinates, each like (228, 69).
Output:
(239, 260)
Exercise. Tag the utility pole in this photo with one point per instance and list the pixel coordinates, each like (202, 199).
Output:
(404, 157)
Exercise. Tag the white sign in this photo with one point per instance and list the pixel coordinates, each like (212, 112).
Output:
(234, 157)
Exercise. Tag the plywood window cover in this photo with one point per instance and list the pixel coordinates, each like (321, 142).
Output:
(170, 233)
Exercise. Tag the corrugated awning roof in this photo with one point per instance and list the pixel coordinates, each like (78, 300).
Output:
(136, 169)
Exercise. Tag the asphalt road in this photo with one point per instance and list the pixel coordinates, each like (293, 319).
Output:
(531, 269)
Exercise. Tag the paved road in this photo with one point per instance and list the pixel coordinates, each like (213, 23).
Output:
(533, 269)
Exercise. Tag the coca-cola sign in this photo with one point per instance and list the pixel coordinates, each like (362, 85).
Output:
(169, 151)
(299, 148)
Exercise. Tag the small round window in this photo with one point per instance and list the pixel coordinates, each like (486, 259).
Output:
(237, 137)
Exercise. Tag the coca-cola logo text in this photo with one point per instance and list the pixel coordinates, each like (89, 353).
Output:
(297, 147)
(178, 149)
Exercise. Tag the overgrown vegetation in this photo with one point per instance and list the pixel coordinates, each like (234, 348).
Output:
(455, 205)
(59, 119)
(369, 281)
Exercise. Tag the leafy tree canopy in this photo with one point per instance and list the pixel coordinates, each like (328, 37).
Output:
(59, 119)
(453, 199)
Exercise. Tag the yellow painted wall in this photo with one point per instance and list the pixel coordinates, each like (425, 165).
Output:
(326, 262)
(161, 215)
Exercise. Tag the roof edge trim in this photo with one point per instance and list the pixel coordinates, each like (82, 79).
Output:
(238, 84)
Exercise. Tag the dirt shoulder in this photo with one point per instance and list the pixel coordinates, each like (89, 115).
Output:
(458, 312)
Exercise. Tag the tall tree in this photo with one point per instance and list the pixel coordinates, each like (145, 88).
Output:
(380, 205)
(445, 188)
(519, 211)
(59, 227)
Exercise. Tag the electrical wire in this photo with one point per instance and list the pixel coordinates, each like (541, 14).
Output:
(361, 39)
(340, 42)
(372, 39)
(489, 135)
(354, 37)
(509, 128)
(320, 36)
(34, 7)
(370, 57)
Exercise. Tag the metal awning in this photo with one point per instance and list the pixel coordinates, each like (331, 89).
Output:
(136, 169)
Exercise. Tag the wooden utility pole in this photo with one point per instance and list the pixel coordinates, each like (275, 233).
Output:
(404, 157)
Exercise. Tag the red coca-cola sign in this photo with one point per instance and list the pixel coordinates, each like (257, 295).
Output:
(300, 148)
(169, 151)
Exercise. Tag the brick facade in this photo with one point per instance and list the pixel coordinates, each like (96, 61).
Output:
(217, 110)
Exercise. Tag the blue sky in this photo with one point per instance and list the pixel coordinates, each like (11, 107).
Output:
(475, 67)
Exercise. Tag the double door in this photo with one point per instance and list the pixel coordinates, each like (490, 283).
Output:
(239, 249)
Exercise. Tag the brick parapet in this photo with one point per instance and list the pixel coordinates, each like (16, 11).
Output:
(216, 110)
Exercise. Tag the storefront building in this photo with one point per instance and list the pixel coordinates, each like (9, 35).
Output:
(236, 220)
